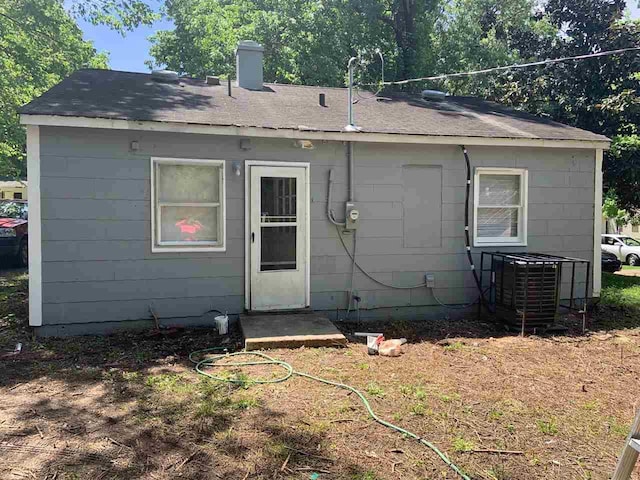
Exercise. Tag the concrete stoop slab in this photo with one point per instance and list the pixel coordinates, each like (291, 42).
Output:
(289, 331)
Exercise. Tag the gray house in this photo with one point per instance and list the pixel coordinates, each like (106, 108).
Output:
(185, 195)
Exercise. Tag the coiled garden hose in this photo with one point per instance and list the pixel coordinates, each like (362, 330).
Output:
(212, 362)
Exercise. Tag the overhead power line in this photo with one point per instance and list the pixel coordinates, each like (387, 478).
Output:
(514, 66)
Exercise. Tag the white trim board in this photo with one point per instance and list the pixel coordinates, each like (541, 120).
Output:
(523, 219)
(35, 226)
(597, 225)
(155, 205)
(247, 223)
(113, 124)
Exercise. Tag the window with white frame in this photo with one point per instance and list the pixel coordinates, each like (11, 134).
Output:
(500, 206)
(188, 205)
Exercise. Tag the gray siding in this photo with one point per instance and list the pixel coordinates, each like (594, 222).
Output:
(96, 229)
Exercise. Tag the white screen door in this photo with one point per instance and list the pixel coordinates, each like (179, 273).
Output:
(278, 238)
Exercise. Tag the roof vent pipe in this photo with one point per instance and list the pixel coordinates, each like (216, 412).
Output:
(436, 95)
(350, 122)
(249, 67)
(165, 76)
(213, 80)
(322, 100)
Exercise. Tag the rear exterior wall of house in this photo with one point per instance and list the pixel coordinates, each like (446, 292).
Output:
(99, 274)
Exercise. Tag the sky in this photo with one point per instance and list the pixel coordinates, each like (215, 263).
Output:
(129, 53)
(125, 53)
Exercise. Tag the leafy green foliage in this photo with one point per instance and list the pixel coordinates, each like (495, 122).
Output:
(39, 45)
(599, 94)
(120, 15)
(310, 43)
(305, 42)
(622, 165)
(611, 211)
(13, 210)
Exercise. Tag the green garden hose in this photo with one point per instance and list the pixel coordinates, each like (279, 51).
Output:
(211, 362)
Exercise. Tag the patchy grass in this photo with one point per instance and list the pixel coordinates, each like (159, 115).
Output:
(462, 445)
(130, 406)
(453, 347)
(620, 291)
(375, 390)
(547, 427)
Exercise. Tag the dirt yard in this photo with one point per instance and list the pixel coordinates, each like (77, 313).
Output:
(131, 406)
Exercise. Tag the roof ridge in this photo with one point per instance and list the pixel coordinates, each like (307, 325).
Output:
(296, 85)
(275, 84)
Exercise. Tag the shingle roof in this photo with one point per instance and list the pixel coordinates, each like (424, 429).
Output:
(135, 96)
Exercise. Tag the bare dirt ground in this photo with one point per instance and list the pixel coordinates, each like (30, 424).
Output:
(131, 406)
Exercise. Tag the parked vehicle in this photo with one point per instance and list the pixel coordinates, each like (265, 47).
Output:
(610, 263)
(625, 248)
(14, 231)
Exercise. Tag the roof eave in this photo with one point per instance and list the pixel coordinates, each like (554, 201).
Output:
(304, 134)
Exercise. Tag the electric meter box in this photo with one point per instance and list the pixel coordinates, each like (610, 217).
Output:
(352, 216)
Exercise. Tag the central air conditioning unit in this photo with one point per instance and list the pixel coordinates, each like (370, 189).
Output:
(525, 289)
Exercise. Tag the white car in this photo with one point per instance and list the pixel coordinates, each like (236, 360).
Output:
(627, 249)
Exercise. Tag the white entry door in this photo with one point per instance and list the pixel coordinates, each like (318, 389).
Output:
(278, 237)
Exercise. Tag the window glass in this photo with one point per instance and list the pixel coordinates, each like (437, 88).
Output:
(188, 183)
(497, 222)
(189, 224)
(500, 213)
(499, 190)
(278, 199)
(278, 248)
(631, 242)
(278, 205)
(188, 208)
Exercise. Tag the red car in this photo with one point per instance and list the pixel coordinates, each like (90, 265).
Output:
(14, 232)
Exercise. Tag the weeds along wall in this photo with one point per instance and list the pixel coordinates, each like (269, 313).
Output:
(99, 273)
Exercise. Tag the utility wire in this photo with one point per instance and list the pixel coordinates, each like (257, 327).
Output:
(514, 66)
(367, 274)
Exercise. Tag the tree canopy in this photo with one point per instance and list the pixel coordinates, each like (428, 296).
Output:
(120, 15)
(310, 41)
(40, 44)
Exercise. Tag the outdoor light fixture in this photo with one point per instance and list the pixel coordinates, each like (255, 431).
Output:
(236, 168)
(245, 144)
(305, 144)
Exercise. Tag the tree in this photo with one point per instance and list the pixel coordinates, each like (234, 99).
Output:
(613, 213)
(305, 42)
(309, 42)
(120, 15)
(40, 44)
(622, 167)
(600, 94)
(475, 34)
